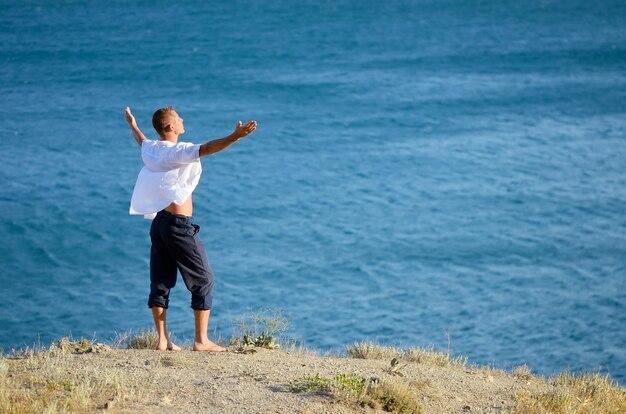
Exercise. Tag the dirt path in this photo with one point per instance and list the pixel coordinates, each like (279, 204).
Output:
(125, 381)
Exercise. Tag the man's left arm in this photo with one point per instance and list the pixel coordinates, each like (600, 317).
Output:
(217, 145)
(139, 136)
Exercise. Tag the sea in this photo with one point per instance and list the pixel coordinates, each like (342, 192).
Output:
(441, 174)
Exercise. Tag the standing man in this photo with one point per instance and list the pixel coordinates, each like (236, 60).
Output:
(162, 193)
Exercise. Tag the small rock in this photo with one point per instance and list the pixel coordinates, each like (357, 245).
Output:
(467, 408)
(98, 347)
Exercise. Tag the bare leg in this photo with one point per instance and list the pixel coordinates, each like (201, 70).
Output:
(202, 342)
(164, 342)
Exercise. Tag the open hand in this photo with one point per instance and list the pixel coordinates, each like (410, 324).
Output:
(242, 130)
(129, 117)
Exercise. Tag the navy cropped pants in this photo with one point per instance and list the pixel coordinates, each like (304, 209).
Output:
(176, 246)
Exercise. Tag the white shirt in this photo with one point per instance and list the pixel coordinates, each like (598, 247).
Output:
(170, 174)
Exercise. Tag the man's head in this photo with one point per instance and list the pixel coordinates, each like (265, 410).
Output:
(167, 121)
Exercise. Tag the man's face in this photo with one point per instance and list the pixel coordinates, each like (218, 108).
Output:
(177, 123)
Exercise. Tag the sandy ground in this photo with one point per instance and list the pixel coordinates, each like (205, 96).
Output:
(192, 382)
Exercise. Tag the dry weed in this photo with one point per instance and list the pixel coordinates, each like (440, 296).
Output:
(368, 350)
(574, 394)
(390, 395)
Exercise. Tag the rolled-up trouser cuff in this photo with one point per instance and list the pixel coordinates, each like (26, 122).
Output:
(163, 303)
(201, 302)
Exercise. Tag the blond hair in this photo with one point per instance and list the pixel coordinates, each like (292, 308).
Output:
(160, 119)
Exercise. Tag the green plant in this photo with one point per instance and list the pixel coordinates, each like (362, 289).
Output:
(267, 321)
(311, 384)
(391, 396)
(350, 382)
(259, 329)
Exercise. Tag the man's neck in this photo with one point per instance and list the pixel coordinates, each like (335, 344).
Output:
(171, 137)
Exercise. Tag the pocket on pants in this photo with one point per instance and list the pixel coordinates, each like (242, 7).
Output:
(196, 229)
(185, 229)
(191, 229)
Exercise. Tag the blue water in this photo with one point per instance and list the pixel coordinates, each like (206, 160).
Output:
(420, 168)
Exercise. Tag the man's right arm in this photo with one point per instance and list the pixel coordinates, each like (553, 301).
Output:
(139, 136)
(217, 145)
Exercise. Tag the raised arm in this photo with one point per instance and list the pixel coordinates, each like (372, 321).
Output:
(139, 136)
(217, 145)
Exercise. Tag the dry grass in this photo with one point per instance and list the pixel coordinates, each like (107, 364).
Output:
(574, 394)
(68, 377)
(142, 339)
(296, 346)
(432, 357)
(368, 350)
(522, 372)
(389, 395)
(395, 397)
(36, 381)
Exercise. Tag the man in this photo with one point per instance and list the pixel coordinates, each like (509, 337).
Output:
(163, 193)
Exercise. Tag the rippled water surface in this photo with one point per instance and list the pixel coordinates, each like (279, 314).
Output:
(420, 169)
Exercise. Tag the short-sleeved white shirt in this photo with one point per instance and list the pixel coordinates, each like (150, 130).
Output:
(170, 173)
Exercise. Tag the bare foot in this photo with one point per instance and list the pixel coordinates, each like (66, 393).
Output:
(208, 346)
(168, 345)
